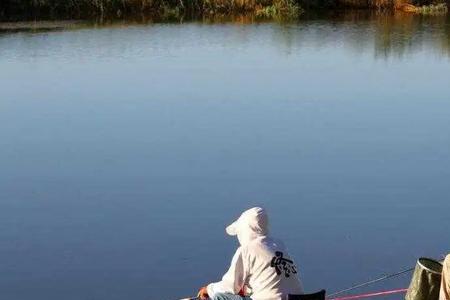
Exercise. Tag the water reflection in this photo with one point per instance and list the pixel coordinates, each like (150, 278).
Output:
(385, 34)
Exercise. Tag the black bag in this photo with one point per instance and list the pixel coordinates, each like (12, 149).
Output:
(315, 296)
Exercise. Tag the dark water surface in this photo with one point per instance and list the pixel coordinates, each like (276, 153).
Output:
(125, 150)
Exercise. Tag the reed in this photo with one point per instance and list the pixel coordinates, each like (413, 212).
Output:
(120, 8)
(280, 8)
(433, 9)
(80, 9)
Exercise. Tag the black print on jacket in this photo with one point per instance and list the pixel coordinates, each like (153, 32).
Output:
(283, 264)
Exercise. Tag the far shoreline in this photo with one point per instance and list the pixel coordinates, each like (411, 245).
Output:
(175, 10)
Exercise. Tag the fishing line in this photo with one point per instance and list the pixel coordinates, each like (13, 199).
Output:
(374, 281)
(384, 277)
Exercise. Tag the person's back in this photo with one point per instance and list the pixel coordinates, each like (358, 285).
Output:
(445, 284)
(261, 266)
(273, 272)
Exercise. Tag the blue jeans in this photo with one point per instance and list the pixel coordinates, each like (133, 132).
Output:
(226, 296)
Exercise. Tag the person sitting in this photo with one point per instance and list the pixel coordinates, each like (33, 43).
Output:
(261, 265)
(444, 293)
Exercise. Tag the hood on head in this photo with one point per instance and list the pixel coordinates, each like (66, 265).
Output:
(252, 223)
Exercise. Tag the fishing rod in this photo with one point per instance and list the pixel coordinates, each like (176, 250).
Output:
(370, 295)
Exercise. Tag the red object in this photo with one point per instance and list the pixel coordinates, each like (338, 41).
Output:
(370, 295)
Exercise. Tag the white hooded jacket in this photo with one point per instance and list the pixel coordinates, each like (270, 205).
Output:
(261, 264)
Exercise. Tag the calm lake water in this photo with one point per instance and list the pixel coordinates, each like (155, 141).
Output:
(125, 150)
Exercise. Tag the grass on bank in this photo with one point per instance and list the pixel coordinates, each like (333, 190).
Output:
(283, 8)
(270, 9)
(120, 8)
(433, 9)
(430, 9)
